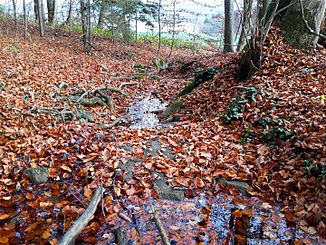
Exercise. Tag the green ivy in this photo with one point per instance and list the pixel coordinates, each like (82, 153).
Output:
(247, 135)
(234, 113)
(314, 169)
(275, 134)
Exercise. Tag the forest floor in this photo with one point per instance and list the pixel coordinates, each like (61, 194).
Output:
(244, 161)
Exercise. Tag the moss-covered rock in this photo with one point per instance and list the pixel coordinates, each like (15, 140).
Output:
(37, 175)
(175, 106)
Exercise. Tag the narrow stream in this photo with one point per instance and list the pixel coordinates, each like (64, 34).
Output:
(204, 220)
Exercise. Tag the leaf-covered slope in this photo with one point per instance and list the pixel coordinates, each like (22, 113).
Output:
(269, 132)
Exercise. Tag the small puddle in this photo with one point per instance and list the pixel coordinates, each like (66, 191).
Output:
(220, 220)
(142, 114)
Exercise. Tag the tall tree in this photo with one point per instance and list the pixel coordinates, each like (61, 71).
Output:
(25, 20)
(85, 12)
(103, 10)
(36, 9)
(229, 26)
(41, 18)
(245, 24)
(15, 14)
(51, 10)
(69, 17)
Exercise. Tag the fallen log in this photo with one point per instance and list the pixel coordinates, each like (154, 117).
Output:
(77, 227)
(200, 78)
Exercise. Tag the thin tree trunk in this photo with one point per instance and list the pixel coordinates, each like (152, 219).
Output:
(88, 33)
(159, 28)
(68, 20)
(229, 26)
(245, 30)
(36, 9)
(41, 18)
(51, 10)
(15, 15)
(103, 11)
(173, 28)
(25, 20)
(85, 11)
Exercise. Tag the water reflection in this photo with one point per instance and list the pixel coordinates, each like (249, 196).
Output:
(221, 220)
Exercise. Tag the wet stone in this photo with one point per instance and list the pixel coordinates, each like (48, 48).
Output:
(128, 166)
(37, 175)
(168, 153)
(165, 191)
(126, 147)
(239, 185)
(156, 147)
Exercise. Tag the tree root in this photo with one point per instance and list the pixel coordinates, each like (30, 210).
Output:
(111, 125)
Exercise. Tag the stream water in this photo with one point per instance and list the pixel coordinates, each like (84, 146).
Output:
(223, 219)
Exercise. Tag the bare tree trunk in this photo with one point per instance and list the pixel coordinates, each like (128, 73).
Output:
(51, 10)
(247, 20)
(41, 18)
(103, 11)
(25, 20)
(88, 33)
(173, 28)
(15, 15)
(136, 27)
(36, 9)
(229, 26)
(85, 11)
(68, 20)
(159, 27)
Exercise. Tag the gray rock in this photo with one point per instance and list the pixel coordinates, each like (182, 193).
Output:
(294, 29)
(156, 146)
(37, 175)
(127, 168)
(165, 191)
(239, 185)
(168, 153)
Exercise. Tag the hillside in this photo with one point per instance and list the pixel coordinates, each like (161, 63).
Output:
(267, 134)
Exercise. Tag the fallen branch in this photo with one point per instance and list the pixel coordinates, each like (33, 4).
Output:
(105, 87)
(125, 84)
(123, 78)
(92, 101)
(108, 126)
(77, 227)
(160, 227)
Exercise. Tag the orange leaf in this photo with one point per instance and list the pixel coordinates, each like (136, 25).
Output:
(64, 167)
(4, 216)
(199, 182)
(4, 240)
(46, 235)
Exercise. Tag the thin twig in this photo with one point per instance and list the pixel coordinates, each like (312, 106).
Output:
(77, 198)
